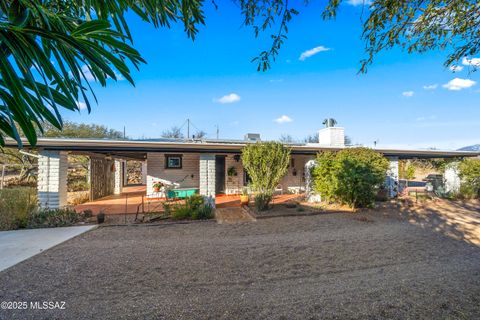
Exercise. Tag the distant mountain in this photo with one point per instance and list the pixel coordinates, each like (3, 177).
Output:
(475, 147)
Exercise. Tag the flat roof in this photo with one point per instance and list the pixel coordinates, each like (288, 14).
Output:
(139, 148)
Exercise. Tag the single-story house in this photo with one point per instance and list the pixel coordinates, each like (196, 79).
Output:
(211, 166)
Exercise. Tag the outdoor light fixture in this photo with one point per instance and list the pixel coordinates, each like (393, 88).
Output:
(294, 172)
(236, 157)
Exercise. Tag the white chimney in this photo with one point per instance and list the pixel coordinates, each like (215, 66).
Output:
(332, 137)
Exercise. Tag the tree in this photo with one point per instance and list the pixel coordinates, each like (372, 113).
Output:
(49, 49)
(348, 141)
(266, 163)
(351, 176)
(174, 132)
(200, 134)
(313, 138)
(286, 138)
(81, 130)
(469, 172)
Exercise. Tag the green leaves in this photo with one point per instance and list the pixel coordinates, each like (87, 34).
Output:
(47, 49)
(351, 176)
(266, 163)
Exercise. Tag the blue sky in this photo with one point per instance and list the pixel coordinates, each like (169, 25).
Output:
(403, 101)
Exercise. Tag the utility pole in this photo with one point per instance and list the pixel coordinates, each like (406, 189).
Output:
(124, 133)
(188, 128)
(218, 131)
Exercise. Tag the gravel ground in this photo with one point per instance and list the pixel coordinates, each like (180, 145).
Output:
(335, 266)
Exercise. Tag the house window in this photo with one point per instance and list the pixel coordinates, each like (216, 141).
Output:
(173, 161)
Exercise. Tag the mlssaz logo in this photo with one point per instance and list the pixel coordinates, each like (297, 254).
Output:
(47, 305)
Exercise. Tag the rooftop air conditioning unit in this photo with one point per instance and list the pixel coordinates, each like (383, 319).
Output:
(252, 137)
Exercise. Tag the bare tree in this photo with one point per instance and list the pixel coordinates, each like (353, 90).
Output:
(174, 132)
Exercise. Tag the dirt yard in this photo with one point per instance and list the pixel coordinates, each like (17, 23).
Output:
(415, 261)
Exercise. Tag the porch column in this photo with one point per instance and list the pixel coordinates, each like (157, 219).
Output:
(207, 175)
(144, 172)
(452, 179)
(312, 196)
(119, 178)
(52, 179)
(392, 177)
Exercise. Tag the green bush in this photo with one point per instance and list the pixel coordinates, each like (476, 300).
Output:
(48, 218)
(19, 209)
(194, 208)
(16, 205)
(266, 163)
(469, 172)
(351, 176)
(262, 201)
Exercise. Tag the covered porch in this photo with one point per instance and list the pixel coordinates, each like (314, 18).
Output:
(134, 199)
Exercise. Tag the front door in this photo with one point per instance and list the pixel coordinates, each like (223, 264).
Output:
(219, 174)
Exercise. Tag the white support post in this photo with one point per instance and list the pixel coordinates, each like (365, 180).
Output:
(52, 179)
(207, 175)
(118, 177)
(392, 177)
(144, 172)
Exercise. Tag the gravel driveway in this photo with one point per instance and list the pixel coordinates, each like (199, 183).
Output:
(338, 266)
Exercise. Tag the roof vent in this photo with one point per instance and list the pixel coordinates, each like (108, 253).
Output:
(252, 137)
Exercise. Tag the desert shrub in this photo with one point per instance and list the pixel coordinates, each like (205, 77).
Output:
(351, 176)
(469, 172)
(77, 185)
(194, 208)
(46, 218)
(262, 201)
(266, 163)
(16, 205)
(79, 198)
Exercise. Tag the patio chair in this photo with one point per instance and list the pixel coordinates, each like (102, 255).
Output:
(279, 189)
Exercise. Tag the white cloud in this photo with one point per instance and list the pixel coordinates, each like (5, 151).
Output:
(89, 76)
(471, 62)
(229, 98)
(433, 117)
(359, 2)
(81, 105)
(456, 68)
(283, 119)
(408, 94)
(459, 84)
(430, 86)
(311, 52)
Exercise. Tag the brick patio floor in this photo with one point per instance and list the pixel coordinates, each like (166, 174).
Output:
(132, 197)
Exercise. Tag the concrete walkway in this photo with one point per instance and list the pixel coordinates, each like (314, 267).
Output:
(19, 245)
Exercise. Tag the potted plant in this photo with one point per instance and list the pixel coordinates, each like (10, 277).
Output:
(100, 217)
(157, 186)
(232, 172)
(244, 197)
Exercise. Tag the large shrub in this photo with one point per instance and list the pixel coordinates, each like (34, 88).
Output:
(16, 205)
(266, 163)
(469, 172)
(351, 176)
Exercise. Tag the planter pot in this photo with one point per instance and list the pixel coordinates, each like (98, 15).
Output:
(101, 218)
(156, 190)
(244, 200)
